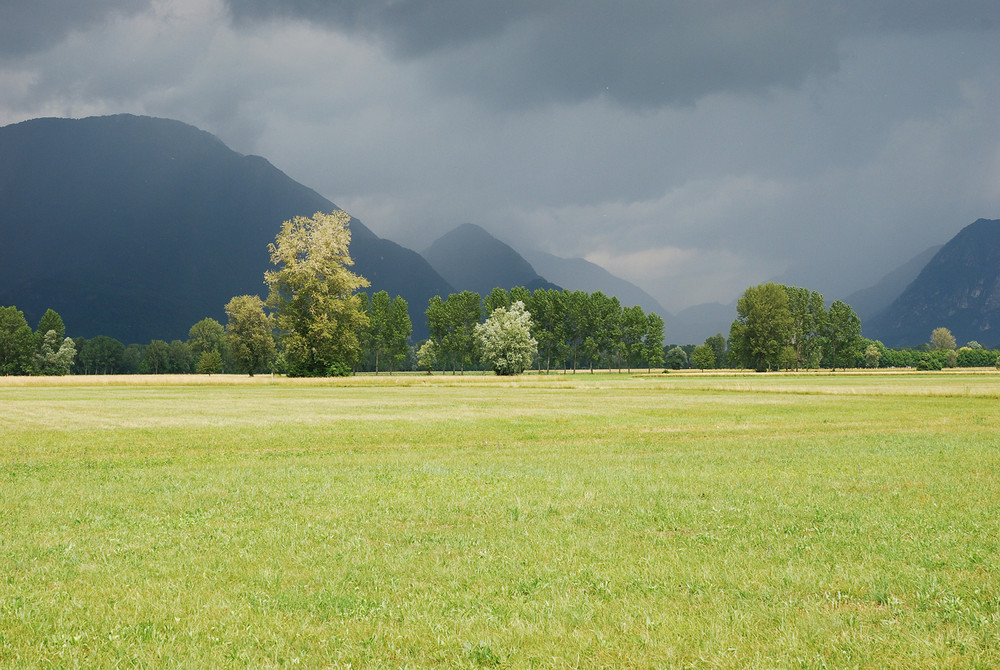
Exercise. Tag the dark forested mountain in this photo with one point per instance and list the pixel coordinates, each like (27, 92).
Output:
(958, 289)
(471, 259)
(870, 301)
(137, 227)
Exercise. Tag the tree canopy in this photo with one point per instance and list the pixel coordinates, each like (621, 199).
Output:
(314, 295)
(505, 340)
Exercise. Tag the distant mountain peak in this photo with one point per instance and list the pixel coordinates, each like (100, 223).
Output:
(958, 289)
(471, 259)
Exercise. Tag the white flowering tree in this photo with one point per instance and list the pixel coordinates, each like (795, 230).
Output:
(505, 340)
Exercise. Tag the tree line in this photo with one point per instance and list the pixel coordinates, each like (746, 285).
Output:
(316, 321)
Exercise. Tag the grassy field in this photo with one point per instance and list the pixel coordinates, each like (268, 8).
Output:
(677, 520)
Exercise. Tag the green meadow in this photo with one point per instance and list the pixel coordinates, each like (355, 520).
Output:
(587, 520)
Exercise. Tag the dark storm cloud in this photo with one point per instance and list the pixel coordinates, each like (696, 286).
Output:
(28, 26)
(637, 54)
(643, 54)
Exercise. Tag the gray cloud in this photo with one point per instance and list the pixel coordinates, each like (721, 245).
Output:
(637, 54)
(29, 27)
(694, 148)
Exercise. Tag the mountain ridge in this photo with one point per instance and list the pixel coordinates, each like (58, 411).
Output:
(471, 259)
(137, 227)
(958, 289)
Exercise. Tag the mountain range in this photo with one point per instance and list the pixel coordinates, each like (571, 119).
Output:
(959, 289)
(138, 227)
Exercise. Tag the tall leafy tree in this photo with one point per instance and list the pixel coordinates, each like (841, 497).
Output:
(762, 331)
(703, 357)
(607, 314)
(389, 328)
(157, 358)
(653, 341)
(17, 342)
(498, 297)
(579, 325)
(400, 328)
(102, 355)
(808, 325)
(314, 295)
(843, 335)
(463, 311)
(718, 344)
(55, 357)
(548, 314)
(207, 335)
(942, 340)
(50, 321)
(180, 359)
(437, 326)
(633, 329)
(249, 334)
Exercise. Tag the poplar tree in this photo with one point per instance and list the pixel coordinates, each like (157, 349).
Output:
(248, 333)
(314, 295)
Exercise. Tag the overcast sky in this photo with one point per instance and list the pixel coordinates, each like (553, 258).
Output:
(694, 148)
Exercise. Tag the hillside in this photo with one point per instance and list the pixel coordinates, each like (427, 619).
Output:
(868, 302)
(138, 227)
(958, 289)
(471, 259)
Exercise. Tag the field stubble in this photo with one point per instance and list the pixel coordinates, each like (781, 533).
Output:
(549, 521)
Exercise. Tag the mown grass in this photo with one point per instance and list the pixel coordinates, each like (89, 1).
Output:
(549, 521)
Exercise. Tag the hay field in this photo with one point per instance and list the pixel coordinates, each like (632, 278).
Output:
(606, 520)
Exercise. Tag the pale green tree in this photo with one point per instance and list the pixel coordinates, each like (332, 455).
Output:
(872, 355)
(209, 363)
(55, 357)
(249, 334)
(942, 340)
(314, 296)
(505, 340)
(427, 356)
